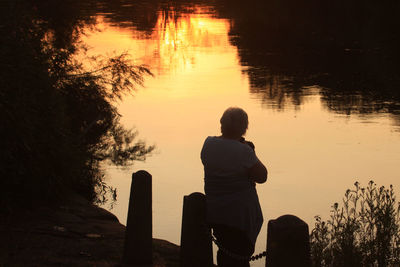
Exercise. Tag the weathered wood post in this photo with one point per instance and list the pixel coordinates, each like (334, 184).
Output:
(288, 242)
(196, 244)
(138, 248)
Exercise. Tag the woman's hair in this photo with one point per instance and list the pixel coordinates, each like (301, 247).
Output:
(234, 122)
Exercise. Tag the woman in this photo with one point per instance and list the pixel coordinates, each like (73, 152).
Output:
(231, 170)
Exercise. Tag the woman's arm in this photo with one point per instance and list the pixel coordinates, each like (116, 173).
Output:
(258, 172)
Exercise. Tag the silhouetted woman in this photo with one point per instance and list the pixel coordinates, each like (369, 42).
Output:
(231, 170)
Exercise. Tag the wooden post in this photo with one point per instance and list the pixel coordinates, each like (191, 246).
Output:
(196, 244)
(288, 242)
(138, 247)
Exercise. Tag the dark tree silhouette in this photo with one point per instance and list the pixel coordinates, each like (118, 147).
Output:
(58, 118)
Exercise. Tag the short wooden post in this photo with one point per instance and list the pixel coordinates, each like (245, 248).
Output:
(288, 242)
(196, 244)
(138, 247)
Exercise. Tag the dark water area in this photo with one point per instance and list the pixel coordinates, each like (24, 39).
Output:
(348, 49)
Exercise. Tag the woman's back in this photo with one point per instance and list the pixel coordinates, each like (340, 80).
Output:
(226, 163)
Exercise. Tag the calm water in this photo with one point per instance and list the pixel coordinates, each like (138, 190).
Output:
(314, 127)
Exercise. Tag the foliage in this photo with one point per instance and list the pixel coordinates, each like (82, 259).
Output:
(59, 120)
(364, 232)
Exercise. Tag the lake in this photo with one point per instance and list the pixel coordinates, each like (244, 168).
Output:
(323, 107)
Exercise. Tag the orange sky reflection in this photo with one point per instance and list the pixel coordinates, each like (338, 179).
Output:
(177, 43)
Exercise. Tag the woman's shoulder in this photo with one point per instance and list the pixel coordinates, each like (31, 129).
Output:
(210, 139)
(224, 142)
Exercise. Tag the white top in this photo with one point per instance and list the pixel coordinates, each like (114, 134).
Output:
(231, 196)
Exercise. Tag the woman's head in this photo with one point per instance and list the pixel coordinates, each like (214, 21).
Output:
(234, 122)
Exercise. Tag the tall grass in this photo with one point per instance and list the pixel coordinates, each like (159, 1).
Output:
(364, 231)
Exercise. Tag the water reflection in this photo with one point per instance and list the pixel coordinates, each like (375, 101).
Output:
(331, 106)
(295, 45)
(284, 48)
(177, 38)
(175, 41)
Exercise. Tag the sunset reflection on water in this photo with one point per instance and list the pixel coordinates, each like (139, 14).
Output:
(313, 154)
(176, 43)
(178, 38)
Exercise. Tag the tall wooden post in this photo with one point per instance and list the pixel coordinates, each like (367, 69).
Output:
(138, 248)
(288, 242)
(196, 244)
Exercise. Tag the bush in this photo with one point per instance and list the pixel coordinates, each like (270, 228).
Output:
(364, 232)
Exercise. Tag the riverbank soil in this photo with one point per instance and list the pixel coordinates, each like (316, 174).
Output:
(73, 234)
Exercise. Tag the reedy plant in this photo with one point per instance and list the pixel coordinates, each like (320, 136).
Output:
(365, 231)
